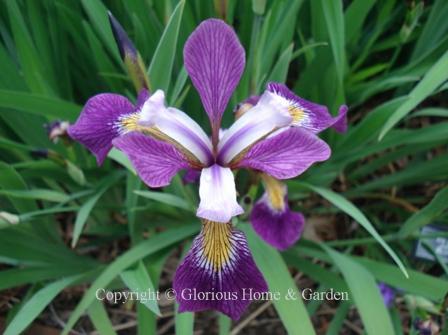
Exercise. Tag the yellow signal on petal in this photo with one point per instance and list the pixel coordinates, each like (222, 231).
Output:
(296, 113)
(275, 191)
(217, 244)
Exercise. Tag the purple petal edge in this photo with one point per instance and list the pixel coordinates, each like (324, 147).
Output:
(214, 58)
(318, 117)
(235, 281)
(286, 154)
(281, 229)
(96, 125)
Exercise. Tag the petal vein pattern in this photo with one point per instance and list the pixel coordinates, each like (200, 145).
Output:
(219, 268)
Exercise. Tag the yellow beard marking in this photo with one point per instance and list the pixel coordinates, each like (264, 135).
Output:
(275, 190)
(216, 243)
(130, 123)
(296, 113)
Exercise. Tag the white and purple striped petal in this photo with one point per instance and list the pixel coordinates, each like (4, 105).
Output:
(307, 114)
(177, 126)
(286, 153)
(269, 114)
(96, 125)
(156, 162)
(214, 58)
(218, 273)
(218, 195)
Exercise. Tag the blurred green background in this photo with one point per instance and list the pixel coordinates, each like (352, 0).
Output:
(69, 227)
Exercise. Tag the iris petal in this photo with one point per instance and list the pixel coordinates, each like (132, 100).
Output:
(156, 162)
(272, 219)
(286, 154)
(218, 195)
(218, 265)
(214, 58)
(265, 117)
(307, 114)
(96, 125)
(173, 125)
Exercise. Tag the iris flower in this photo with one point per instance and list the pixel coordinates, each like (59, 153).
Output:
(275, 136)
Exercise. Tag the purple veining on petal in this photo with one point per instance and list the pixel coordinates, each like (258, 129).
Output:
(316, 118)
(214, 59)
(219, 263)
(286, 154)
(279, 228)
(95, 127)
(218, 195)
(156, 162)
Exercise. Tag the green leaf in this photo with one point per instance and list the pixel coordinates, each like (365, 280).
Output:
(100, 319)
(166, 198)
(10, 179)
(427, 214)
(436, 75)
(87, 207)
(121, 159)
(39, 105)
(163, 59)
(148, 247)
(97, 13)
(37, 194)
(347, 207)
(183, 322)
(334, 19)
(37, 304)
(280, 70)
(138, 280)
(279, 280)
(365, 293)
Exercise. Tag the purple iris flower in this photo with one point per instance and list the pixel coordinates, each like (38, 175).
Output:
(276, 136)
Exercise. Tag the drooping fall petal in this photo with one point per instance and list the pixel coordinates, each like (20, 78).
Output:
(307, 114)
(97, 126)
(220, 264)
(156, 162)
(286, 154)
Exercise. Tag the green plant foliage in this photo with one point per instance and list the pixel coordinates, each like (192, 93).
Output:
(68, 225)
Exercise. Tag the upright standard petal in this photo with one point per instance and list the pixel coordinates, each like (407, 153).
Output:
(214, 59)
(218, 195)
(173, 125)
(272, 219)
(255, 123)
(96, 126)
(156, 162)
(218, 273)
(307, 114)
(286, 154)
